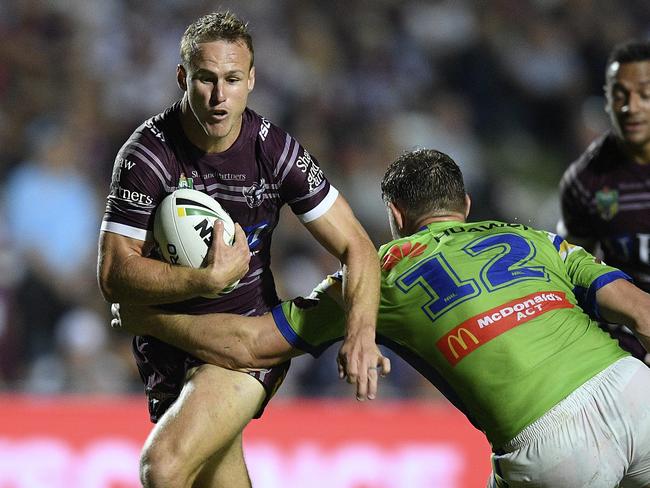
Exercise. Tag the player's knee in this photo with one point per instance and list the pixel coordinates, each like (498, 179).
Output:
(160, 467)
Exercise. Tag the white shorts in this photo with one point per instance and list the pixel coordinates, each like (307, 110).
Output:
(597, 437)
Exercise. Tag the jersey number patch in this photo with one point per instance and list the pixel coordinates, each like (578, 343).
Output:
(446, 289)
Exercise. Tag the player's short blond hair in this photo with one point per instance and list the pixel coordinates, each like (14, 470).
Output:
(217, 26)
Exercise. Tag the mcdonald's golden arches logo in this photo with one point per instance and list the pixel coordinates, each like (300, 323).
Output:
(458, 339)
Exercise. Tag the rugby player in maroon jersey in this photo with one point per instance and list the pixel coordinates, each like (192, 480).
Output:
(212, 142)
(605, 193)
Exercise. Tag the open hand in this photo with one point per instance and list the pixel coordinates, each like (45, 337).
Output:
(361, 362)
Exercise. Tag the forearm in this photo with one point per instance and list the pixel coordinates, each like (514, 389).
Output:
(343, 236)
(226, 340)
(621, 302)
(359, 357)
(126, 276)
(210, 338)
(146, 281)
(361, 277)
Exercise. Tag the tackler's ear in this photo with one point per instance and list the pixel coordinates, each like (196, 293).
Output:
(398, 216)
(181, 77)
(468, 204)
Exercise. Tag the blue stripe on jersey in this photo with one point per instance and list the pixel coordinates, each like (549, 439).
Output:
(587, 296)
(294, 339)
(289, 334)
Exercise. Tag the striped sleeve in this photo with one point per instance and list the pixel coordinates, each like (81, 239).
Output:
(300, 180)
(140, 180)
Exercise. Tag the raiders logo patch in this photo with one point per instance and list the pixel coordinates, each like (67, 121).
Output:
(607, 203)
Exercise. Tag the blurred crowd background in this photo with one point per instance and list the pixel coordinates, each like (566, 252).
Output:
(511, 89)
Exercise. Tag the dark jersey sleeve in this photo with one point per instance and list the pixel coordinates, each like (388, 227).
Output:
(574, 204)
(140, 180)
(301, 182)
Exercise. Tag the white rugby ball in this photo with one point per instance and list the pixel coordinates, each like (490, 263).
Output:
(183, 228)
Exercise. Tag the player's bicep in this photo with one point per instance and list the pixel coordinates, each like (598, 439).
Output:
(337, 228)
(140, 180)
(114, 252)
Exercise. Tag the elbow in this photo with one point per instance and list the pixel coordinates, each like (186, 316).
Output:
(104, 277)
(234, 351)
(265, 346)
(114, 266)
(365, 247)
(247, 359)
(360, 250)
(107, 286)
(256, 350)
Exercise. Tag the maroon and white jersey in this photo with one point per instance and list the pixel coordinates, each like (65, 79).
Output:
(605, 197)
(264, 169)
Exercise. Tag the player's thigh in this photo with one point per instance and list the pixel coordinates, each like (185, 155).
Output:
(225, 468)
(212, 409)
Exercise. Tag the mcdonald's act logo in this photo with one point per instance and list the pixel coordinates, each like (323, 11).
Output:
(480, 329)
(459, 340)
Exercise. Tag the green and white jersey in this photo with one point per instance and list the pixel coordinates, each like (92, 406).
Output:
(493, 314)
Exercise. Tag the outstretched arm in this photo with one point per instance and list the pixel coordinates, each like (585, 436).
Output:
(244, 343)
(227, 340)
(342, 235)
(621, 302)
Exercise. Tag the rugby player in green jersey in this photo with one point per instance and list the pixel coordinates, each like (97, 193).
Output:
(499, 317)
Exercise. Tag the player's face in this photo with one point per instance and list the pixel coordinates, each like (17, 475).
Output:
(218, 83)
(628, 101)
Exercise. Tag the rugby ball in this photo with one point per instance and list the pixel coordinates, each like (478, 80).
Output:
(183, 228)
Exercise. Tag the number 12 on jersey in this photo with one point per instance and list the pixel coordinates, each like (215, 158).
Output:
(508, 255)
